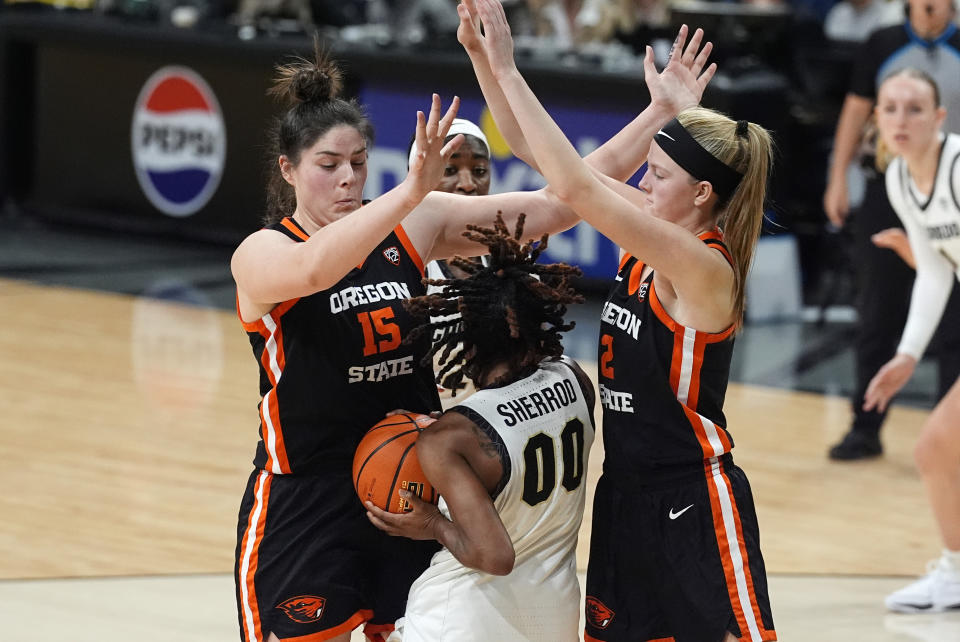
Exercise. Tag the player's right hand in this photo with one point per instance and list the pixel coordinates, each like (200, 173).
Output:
(836, 201)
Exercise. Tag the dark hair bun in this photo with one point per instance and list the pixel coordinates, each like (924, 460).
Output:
(306, 81)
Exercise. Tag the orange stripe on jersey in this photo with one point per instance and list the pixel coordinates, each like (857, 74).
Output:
(733, 555)
(635, 273)
(693, 393)
(252, 536)
(676, 361)
(667, 320)
(272, 433)
(408, 246)
(700, 430)
(289, 223)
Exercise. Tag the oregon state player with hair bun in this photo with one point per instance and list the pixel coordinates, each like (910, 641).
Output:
(923, 185)
(674, 548)
(320, 293)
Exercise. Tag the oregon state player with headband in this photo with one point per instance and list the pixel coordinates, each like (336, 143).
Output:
(923, 184)
(509, 461)
(674, 550)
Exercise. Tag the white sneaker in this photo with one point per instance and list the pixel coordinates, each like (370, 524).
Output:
(938, 590)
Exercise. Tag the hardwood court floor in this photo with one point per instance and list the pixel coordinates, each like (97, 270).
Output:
(129, 426)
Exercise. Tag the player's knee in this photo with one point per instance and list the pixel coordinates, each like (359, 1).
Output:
(937, 448)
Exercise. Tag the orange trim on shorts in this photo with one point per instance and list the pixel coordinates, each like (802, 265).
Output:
(589, 638)
(291, 225)
(375, 632)
(352, 622)
(408, 246)
(263, 481)
(727, 560)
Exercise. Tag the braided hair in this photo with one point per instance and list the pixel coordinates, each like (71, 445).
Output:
(511, 310)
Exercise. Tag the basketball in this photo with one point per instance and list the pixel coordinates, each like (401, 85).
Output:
(386, 462)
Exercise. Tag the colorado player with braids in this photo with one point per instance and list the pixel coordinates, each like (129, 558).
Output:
(319, 292)
(674, 549)
(509, 461)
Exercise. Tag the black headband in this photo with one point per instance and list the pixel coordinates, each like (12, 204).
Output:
(699, 163)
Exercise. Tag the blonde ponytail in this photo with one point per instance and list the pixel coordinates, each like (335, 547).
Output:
(741, 216)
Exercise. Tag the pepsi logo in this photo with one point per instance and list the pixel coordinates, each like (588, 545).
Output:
(178, 140)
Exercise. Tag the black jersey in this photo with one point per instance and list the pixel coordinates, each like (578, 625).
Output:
(662, 385)
(333, 363)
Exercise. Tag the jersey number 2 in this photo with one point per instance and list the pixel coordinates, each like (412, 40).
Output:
(540, 463)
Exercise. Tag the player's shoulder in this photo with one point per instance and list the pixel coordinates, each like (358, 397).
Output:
(586, 384)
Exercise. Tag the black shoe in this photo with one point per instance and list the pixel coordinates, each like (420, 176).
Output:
(856, 445)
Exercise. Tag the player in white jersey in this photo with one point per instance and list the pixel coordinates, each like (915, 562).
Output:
(923, 184)
(509, 462)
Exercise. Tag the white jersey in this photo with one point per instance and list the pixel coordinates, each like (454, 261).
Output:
(932, 222)
(543, 425)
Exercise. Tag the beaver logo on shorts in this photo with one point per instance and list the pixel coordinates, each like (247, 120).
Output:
(598, 615)
(303, 608)
(392, 254)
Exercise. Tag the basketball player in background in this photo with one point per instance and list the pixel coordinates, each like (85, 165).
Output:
(674, 547)
(923, 184)
(467, 173)
(927, 40)
(509, 463)
(319, 292)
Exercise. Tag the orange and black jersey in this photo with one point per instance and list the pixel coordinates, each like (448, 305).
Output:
(334, 362)
(662, 384)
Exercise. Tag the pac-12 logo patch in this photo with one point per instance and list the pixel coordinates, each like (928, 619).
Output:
(598, 615)
(392, 254)
(178, 141)
(303, 608)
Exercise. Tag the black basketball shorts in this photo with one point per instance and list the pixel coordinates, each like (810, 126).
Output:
(310, 565)
(678, 560)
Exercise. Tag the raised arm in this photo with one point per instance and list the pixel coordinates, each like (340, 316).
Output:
(678, 255)
(269, 268)
(680, 85)
(468, 33)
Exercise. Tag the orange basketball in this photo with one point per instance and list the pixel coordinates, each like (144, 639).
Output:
(386, 462)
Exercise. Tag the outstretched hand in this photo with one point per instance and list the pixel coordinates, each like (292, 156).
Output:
(888, 381)
(433, 155)
(419, 523)
(496, 43)
(682, 82)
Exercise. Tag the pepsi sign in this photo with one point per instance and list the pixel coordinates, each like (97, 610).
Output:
(178, 140)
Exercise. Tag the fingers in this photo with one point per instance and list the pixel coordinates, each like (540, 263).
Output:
(649, 69)
(701, 58)
(677, 48)
(452, 145)
(690, 52)
(706, 76)
(447, 119)
(434, 118)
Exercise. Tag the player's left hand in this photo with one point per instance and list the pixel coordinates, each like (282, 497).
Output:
(496, 41)
(888, 381)
(682, 82)
(420, 523)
